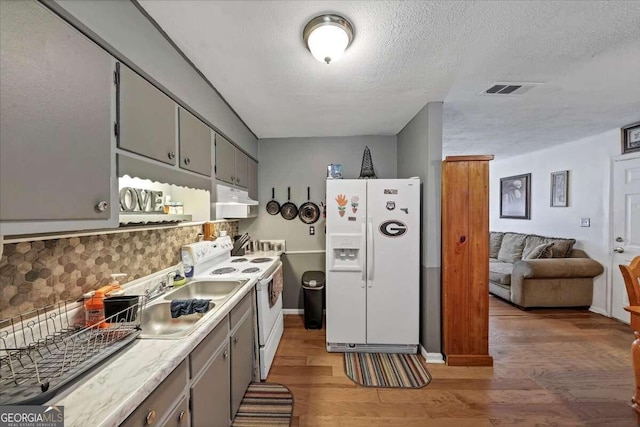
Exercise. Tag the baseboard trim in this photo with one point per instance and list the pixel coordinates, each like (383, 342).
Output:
(431, 357)
(292, 311)
(469, 360)
(598, 311)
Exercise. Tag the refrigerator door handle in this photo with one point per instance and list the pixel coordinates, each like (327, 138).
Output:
(363, 257)
(370, 258)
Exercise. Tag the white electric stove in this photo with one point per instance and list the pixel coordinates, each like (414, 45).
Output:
(212, 260)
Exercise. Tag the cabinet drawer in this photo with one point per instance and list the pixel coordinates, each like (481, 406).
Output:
(180, 416)
(203, 352)
(239, 310)
(160, 402)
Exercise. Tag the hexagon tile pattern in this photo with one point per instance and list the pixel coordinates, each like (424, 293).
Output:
(38, 273)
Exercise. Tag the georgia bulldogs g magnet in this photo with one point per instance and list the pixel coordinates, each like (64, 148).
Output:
(393, 228)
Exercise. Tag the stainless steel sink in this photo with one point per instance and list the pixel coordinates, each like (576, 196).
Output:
(216, 290)
(156, 317)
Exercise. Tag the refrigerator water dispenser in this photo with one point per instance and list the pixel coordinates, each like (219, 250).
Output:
(345, 252)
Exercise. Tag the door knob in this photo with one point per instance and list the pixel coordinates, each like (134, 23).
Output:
(618, 250)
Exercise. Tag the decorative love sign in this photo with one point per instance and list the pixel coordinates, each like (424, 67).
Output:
(139, 200)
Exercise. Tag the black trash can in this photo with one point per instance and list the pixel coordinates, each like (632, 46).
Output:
(313, 289)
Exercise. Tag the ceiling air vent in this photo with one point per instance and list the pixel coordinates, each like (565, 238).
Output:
(508, 89)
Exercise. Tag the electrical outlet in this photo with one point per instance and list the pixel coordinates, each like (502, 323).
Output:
(585, 222)
(312, 230)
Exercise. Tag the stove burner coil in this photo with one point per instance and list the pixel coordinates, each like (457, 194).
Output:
(224, 270)
(239, 260)
(251, 270)
(261, 260)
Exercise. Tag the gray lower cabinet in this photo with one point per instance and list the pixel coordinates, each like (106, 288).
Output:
(195, 144)
(157, 408)
(180, 415)
(210, 393)
(147, 118)
(241, 361)
(56, 125)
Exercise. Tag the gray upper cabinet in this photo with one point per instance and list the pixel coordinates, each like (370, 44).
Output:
(233, 166)
(56, 124)
(253, 179)
(225, 152)
(242, 170)
(147, 118)
(195, 144)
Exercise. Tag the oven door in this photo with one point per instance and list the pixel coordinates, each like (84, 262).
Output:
(267, 316)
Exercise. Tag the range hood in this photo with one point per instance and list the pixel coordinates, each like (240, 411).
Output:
(234, 203)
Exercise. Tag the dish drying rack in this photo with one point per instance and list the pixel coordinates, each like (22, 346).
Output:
(47, 349)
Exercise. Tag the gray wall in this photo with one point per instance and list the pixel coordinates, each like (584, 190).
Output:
(124, 28)
(420, 154)
(302, 162)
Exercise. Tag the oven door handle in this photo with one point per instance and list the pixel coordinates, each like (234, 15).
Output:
(270, 278)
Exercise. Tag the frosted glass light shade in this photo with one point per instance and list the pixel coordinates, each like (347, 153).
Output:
(328, 36)
(328, 43)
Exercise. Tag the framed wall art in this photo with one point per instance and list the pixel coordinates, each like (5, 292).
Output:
(560, 189)
(631, 138)
(515, 197)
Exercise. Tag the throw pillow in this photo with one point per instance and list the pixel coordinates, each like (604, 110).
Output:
(511, 248)
(541, 251)
(495, 240)
(561, 247)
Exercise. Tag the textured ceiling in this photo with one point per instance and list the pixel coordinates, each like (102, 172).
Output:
(408, 53)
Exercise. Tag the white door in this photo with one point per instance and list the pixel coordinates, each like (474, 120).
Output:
(345, 261)
(393, 264)
(626, 228)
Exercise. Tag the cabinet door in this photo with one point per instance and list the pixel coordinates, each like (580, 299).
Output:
(195, 144)
(147, 118)
(225, 152)
(55, 118)
(253, 179)
(241, 169)
(180, 415)
(241, 362)
(210, 393)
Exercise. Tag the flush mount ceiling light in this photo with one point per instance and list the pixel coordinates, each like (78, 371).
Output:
(328, 36)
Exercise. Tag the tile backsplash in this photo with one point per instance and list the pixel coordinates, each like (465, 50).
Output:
(41, 272)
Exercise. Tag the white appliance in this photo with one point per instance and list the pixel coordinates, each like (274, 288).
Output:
(234, 203)
(212, 261)
(373, 265)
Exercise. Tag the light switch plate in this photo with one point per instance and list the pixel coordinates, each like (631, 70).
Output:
(585, 222)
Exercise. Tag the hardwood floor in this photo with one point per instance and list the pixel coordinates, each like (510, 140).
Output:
(551, 368)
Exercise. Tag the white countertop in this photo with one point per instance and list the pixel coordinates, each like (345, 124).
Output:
(107, 395)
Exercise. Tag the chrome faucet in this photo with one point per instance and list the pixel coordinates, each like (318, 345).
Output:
(156, 291)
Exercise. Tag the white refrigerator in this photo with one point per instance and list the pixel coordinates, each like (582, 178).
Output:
(373, 265)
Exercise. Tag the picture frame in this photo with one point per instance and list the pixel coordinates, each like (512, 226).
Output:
(630, 138)
(559, 189)
(515, 196)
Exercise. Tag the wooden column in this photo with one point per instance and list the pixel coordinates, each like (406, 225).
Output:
(635, 355)
(465, 260)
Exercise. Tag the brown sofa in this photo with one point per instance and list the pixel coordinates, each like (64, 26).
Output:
(537, 271)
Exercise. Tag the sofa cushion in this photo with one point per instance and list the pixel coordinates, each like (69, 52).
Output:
(512, 247)
(500, 272)
(531, 242)
(543, 250)
(561, 247)
(495, 240)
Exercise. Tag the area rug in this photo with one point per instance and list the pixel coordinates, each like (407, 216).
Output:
(265, 404)
(386, 370)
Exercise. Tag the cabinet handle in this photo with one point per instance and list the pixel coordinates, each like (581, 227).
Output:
(235, 340)
(225, 354)
(171, 155)
(187, 161)
(151, 417)
(102, 206)
(181, 416)
(233, 178)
